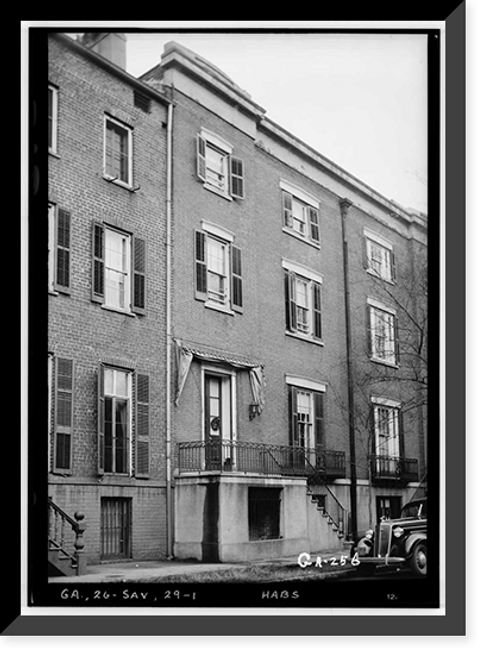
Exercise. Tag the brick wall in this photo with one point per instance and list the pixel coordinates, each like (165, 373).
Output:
(82, 330)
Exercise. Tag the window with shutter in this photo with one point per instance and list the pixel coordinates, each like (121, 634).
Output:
(118, 270)
(218, 269)
(52, 119)
(63, 416)
(306, 418)
(379, 257)
(219, 170)
(303, 305)
(300, 213)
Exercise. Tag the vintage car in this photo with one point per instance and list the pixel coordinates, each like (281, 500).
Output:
(401, 541)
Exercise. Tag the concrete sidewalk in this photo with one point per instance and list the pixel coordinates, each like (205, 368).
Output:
(121, 572)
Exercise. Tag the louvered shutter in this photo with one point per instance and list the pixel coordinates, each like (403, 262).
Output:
(370, 330)
(201, 158)
(139, 276)
(142, 426)
(365, 253)
(63, 240)
(313, 223)
(237, 178)
(290, 306)
(98, 271)
(293, 419)
(63, 416)
(287, 209)
(316, 294)
(393, 266)
(236, 279)
(101, 419)
(319, 420)
(200, 266)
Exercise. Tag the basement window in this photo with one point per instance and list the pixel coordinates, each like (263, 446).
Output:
(264, 513)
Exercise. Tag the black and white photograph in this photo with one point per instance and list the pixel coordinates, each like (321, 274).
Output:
(240, 372)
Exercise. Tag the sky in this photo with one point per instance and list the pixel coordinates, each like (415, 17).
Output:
(360, 100)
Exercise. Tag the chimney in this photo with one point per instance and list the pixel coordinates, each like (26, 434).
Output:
(111, 45)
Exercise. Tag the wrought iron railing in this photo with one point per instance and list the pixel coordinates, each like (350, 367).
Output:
(266, 459)
(394, 468)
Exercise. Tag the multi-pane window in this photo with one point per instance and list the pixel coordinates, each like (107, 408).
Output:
(116, 422)
(300, 213)
(382, 329)
(218, 270)
(387, 435)
(379, 257)
(52, 119)
(59, 249)
(119, 267)
(306, 412)
(303, 303)
(118, 151)
(216, 166)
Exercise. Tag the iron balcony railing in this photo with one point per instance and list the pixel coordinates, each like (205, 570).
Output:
(266, 459)
(394, 468)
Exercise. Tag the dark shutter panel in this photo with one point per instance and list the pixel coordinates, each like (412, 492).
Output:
(319, 420)
(316, 293)
(100, 419)
(372, 451)
(142, 426)
(139, 276)
(393, 266)
(63, 240)
(237, 178)
(237, 279)
(98, 274)
(370, 330)
(313, 223)
(287, 209)
(201, 158)
(397, 347)
(293, 422)
(63, 417)
(400, 417)
(292, 305)
(200, 266)
(365, 253)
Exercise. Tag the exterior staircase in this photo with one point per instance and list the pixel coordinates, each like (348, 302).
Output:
(66, 553)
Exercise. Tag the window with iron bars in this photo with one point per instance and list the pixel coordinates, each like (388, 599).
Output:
(264, 513)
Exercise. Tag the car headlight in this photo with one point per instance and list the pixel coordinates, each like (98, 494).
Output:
(398, 531)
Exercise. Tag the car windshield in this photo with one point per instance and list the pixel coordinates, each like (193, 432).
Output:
(412, 510)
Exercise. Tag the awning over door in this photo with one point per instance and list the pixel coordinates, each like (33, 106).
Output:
(185, 353)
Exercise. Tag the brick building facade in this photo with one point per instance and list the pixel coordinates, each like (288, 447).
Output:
(292, 416)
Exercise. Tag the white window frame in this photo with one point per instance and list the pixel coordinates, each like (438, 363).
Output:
(374, 240)
(53, 135)
(129, 132)
(130, 438)
(308, 277)
(306, 201)
(215, 143)
(127, 272)
(380, 314)
(391, 448)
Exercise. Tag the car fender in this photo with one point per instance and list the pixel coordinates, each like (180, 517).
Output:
(412, 540)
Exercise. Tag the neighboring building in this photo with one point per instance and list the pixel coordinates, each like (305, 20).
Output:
(107, 302)
(278, 379)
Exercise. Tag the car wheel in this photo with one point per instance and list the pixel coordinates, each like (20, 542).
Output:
(419, 560)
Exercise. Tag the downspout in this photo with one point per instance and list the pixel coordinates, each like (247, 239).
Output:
(344, 206)
(169, 475)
